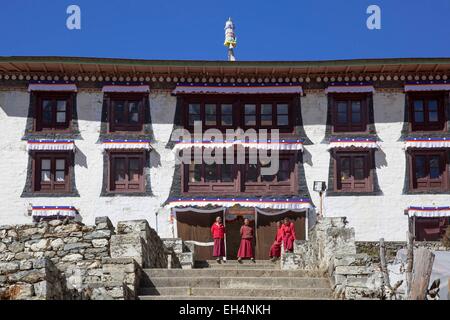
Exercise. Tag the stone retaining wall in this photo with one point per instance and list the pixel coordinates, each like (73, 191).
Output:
(68, 260)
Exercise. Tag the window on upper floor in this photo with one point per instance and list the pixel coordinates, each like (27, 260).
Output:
(234, 112)
(426, 112)
(51, 172)
(353, 171)
(349, 113)
(53, 111)
(126, 171)
(430, 229)
(126, 112)
(428, 170)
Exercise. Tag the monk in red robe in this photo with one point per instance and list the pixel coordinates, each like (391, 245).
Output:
(218, 234)
(275, 249)
(246, 247)
(288, 232)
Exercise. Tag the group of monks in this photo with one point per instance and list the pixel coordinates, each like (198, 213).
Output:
(285, 236)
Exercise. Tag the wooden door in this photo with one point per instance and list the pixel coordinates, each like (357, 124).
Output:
(197, 227)
(234, 236)
(267, 230)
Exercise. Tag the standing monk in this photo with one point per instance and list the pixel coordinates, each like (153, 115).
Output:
(246, 247)
(218, 234)
(275, 249)
(288, 232)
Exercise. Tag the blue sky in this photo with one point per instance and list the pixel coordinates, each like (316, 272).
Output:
(266, 30)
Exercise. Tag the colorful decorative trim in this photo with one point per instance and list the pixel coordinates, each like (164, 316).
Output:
(208, 88)
(54, 211)
(52, 87)
(290, 203)
(283, 144)
(428, 212)
(126, 144)
(50, 145)
(126, 88)
(427, 86)
(427, 142)
(353, 142)
(350, 87)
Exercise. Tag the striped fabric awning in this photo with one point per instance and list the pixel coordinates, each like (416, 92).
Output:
(282, 144)
(350, 87)
(427, 142)
(52, 87)
(54, 211)
(53, 145)
(370, 143)
(126, 88)
(289, 203)
(205, 88)
(126, 144)
(428, 212)
(427, 86)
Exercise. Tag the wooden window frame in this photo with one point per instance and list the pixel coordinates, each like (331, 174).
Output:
(363, 126)
(426, 125)
(112, 155)
(52, 156)
(238, 102)
(275, 186)
(126, 98)
(239, 185)
(419, 222)
(39, 126)
(368, 167)
(443, 180)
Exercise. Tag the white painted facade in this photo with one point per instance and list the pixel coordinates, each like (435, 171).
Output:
(372, 217)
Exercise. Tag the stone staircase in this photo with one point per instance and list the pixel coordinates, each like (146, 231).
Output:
(233, 281)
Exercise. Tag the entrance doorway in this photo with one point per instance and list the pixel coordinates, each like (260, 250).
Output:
(233, 228)
(267, 230)
(196, 226)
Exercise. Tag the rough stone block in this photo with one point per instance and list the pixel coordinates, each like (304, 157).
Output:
(353, 270)
(103, 223)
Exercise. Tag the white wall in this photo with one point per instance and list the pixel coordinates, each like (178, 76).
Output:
(371, 216)
(88, 164)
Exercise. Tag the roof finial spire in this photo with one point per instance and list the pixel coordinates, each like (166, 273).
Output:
(230, 39)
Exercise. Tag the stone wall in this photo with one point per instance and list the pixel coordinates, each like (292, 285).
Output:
(68, 260)
(331, 249)
(372, 248)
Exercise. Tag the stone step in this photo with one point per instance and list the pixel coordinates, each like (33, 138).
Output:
(237, 282)
(230, 272)
(238, 266)
(225, 298)
(210, 292)
(245, 261)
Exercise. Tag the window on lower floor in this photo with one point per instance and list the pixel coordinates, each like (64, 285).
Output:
(430, 229)
(353, 171)
(51, 172)
(126, 171)
(428, 170)
(242, 178)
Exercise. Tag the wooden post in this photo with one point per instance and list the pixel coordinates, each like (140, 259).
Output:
(409, 262)
(422, 267)
(383, 264)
